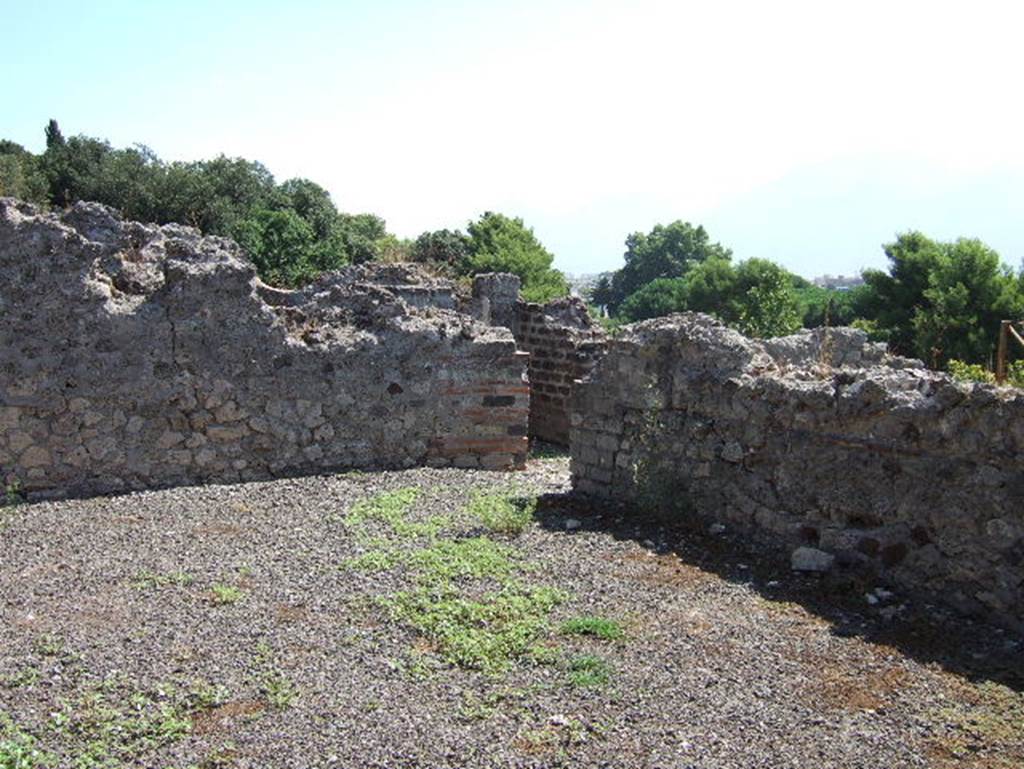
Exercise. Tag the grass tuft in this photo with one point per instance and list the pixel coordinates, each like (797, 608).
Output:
(502, 513)
(148, 580)
(478, 557)
(485, 634)
(225, 595)
(276, 688)
(113, 724)
(372, 560)
(18, 748)
(598, 627)
(389, 507)
(589, 670)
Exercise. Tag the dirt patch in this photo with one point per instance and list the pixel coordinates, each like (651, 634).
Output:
(224, 717)
(664, 569)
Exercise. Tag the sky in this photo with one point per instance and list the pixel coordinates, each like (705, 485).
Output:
(809, 133)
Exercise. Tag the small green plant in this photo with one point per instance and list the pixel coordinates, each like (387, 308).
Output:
(49, 645)
(148, 580)
(13, 494)
(589, 670)
(372, 560)
(599, 627)
(27, 676)
(278, 690)
(388, 506)
(970, 372)
(484, 634)
(112, 723)
(392, 509)
(224, 595)
(275, 687)
(18, 748)
(502, 513)
(477, 557)
(1015, 373)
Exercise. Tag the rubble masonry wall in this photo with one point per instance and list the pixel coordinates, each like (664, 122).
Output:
(818, 440)
(134, 356)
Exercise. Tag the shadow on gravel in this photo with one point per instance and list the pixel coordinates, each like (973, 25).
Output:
(921, 631)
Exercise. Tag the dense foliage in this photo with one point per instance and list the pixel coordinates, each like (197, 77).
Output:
(666, 252)
(937, 301)
(292, 231)
(495, 243)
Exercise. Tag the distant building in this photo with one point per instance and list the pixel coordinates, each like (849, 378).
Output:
(838, 282)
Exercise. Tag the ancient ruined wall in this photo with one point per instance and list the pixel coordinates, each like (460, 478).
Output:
(134, 356)
(564, 343)
(817, 441)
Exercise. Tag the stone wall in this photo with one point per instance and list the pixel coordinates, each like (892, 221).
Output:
(817, 442)
(134, 356)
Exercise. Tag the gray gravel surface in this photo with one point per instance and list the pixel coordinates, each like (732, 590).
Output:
(729, 660)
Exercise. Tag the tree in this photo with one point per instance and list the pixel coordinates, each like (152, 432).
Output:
(893, 298)
(313, 203)
(72, 166)
(756, 296)
(445, 247)
(940, 300)
(969, 292)
(128, 179)
(831, 307)
(662, 296)
(233, 197)
(765, 302)
(279, 244)
(499, 243)
(361, 234)
(20, 174)
(711, 288)
(668, 251)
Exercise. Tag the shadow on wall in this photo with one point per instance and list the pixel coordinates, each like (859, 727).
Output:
(819, 443)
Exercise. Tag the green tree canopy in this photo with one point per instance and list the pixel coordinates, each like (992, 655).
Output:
(227, 196)
(894, 297)
(279, 244)
(662, 296)
(969, 292)
(446, 247)
(21, 175)
(940, 300)
(498, 243)
(756, 296)
(667, 251)
(831, 307)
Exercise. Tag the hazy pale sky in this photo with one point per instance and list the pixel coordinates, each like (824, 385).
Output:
(804, 132)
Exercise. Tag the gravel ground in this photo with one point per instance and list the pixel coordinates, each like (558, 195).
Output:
(219, 627)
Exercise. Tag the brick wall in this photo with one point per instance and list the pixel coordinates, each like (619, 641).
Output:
(563, 344)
